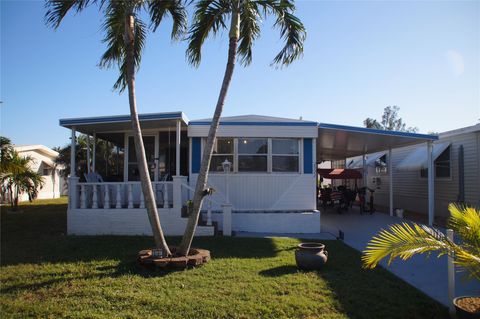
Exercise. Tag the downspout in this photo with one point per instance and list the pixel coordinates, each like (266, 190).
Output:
(461, 176)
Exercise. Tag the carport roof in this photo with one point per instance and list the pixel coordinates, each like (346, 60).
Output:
(336, 142)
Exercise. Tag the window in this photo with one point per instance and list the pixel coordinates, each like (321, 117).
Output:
(285, 155)
(47, 170)
(442, 166)
(222, 150)
(252, 154)
(149, 143)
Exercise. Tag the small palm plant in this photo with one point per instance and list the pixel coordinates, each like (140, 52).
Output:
(405, 240)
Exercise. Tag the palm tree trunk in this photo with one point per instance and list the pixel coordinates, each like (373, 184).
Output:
(137, 136)
(207, 152)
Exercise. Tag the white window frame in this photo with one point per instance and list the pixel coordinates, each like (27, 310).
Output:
(269, 155)
(450, 178)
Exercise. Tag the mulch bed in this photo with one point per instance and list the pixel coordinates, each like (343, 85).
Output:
(195, 258)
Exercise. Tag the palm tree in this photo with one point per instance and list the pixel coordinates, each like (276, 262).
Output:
(19, 178)
(125, 38)
(405, 240)
(245, 16)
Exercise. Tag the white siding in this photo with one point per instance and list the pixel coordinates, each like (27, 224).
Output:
(126, 222)
(264, 191)
(410, 191)
(255, 131)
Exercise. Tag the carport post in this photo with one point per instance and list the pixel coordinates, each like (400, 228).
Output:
(390, 175)
(365, 170)
(431, 190)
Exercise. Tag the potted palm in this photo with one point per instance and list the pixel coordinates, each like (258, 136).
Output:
(405, 240)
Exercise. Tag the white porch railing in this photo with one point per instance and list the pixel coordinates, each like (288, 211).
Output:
(119, 195)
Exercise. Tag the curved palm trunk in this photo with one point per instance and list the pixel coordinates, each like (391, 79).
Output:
(137, 136)
(207, 152)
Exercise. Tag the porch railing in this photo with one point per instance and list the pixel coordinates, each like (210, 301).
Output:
(120, 195)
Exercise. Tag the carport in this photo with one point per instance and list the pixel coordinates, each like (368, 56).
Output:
(338, 142)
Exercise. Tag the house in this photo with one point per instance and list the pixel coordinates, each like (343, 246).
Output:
(44, 164)
(457, 172)
(271, 185)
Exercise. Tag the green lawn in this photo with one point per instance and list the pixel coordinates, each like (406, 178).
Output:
(47, 274)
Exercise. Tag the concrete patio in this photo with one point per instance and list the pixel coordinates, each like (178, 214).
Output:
(427, 274)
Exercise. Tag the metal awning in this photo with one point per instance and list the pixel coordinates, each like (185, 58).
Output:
(339, 173)
(370, 161)
(112, 128)
(418, 158)
(336, 142)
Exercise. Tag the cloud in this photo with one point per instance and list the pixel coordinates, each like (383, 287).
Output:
(455, 62)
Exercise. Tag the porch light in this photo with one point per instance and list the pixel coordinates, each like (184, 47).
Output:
(226, 166)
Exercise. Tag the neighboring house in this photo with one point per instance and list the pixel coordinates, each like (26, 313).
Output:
(271, 186)
(44, 164)
(457, 172)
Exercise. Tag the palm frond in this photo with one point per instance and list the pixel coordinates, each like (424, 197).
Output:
(159, 8)
(209, 16)
(465, 221)
(404, 241)
(250, 18)
(114, 26)
(58, 9)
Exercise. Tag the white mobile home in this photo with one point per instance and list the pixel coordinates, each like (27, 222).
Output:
(270, 187)
(44, 164)
(456, 156)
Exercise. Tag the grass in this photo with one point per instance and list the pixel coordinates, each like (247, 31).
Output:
(45, 273)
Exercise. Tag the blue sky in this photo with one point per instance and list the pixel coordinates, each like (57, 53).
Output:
(359, 57)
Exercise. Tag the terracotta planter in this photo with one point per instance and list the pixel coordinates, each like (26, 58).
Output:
(463, 313)
(311, 256)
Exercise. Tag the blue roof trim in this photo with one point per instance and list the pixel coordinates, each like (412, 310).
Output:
(123, 118)
(375, 131)
(231, 123)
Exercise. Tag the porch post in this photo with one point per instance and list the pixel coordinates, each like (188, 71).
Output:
(88, 154)
(94, 148)
(177, 147)
(72, 179)
(390, 175)
(431, 189)
(73, 153)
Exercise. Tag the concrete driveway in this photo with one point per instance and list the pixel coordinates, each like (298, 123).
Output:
(427, 274)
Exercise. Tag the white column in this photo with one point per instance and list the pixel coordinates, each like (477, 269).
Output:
(227, 219)
(431, 186)
(177, 192)
(390, 182)
(94, 149)
(73, 153)
(88, 153)
(365, 171)
(451, 276)
(106, 201)
(177, 147)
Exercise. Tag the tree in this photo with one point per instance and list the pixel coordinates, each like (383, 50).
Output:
(16, 175)
(103, 157)
(390, 121)
(210, 18)
(405, 240)
(125, 36)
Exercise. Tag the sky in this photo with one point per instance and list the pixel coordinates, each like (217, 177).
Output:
(359, 57)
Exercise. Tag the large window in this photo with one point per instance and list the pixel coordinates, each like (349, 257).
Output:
(442, 166)
(277, 155)
(285, 155)
(149, 143)
(222, 150)
(252, 154)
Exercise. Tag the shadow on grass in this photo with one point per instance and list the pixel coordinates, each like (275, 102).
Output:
(280, 271)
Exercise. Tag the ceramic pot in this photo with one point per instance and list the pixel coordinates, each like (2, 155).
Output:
(311, 256)
(462, 313)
